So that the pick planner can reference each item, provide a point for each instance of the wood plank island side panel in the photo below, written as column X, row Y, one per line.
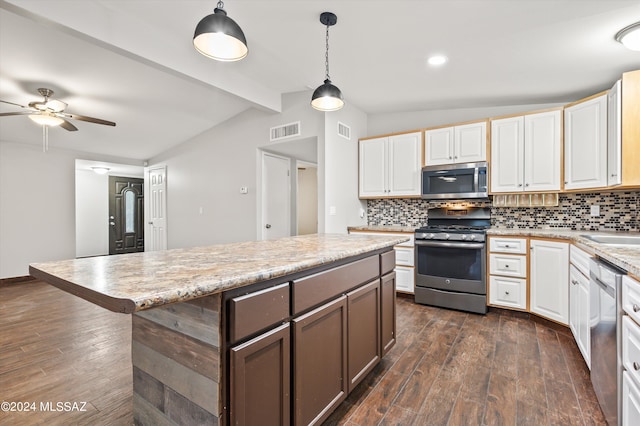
column 176, row 363
column 192, row 318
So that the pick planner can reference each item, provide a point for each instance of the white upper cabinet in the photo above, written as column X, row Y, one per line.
column 526, row 152
column 614, row 139
column 390, row 166
column 466, row 143
column 585, row 144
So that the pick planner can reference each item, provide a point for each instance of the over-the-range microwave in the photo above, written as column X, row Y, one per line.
column 455, row 181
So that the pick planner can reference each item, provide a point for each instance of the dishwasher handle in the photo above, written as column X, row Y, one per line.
column 611, row 291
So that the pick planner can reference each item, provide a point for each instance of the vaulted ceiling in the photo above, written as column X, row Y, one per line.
column 133, row 62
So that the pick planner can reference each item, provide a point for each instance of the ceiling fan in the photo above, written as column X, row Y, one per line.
column 50, row 112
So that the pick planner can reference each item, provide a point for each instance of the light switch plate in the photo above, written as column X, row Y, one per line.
column 595, row 210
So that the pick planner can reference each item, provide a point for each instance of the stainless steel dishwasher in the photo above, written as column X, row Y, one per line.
column 605, row 325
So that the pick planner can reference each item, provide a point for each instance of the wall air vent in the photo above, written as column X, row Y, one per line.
column 344, row 130
column 284, row 131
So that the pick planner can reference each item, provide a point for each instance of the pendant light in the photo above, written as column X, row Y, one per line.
column 327, row 97
column 219, row 37
column 630, row 37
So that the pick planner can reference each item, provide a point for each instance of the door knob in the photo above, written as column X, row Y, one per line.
column 267, row 226
column 112, row 223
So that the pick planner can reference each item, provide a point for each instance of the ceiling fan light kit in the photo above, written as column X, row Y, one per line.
column 630, row 37
column 46, row 119
column 327, row 97
column 219, row 37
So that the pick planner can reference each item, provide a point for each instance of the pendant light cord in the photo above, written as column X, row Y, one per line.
column 326, row 56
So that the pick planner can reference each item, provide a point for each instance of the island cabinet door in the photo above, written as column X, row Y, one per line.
column 260, row 380
column 388, row 312
column 319, row 362
column 363, row 331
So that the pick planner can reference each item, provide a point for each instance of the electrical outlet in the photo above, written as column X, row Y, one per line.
column 595, row 210
column 244, row 190
column 332, row 210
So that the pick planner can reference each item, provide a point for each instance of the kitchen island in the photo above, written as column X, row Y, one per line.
column 254, row 332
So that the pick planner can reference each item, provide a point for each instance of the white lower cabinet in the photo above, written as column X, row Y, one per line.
column 579, row 312
column 404, row 279
column 549, row 268
column 630, row 401
column 508, row 292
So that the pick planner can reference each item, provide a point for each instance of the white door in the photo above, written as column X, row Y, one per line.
column 542, row 149
column 585, row 139
column 276, row 197
column 373, row 167
column 470, row 143
column 155, row 237
column 404, row 158
column 507, row 152
column 438, row 145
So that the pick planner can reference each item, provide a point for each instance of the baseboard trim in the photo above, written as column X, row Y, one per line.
column 16, row 280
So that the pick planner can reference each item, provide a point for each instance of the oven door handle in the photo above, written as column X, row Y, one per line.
column 450, row 244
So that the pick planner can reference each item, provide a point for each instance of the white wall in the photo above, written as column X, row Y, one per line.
column 379, row 124
column 307, row 200
column 37, row 205
column 92, row 213
column 209, row 170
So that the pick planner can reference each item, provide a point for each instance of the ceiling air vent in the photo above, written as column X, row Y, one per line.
column 284, row 131
column 344, row 130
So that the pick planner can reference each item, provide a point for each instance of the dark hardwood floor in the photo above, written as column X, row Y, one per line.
column 447, row 368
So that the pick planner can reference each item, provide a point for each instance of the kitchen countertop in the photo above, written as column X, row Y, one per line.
column 137, row 281
column 625, row 257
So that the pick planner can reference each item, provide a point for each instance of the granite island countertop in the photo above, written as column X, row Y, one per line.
column 132, row 282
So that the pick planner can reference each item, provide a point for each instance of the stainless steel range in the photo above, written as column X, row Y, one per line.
column 451, row 259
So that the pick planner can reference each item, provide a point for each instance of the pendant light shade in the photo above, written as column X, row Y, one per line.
column 327, row 97
column 219, row 37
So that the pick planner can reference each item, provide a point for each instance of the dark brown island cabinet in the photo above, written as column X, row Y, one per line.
column 295, row 362
column 262, row 333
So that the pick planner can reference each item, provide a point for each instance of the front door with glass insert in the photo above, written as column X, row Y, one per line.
column 126, row 215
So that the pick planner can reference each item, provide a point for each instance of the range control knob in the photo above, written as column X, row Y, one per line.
column 431, row 236
column 463, row 237
column 472, row 237
column 447, row 236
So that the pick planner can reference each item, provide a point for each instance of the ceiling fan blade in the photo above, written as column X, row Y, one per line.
column 6, row 114
column 88, row 119
column 68, row 126
column 13, row 103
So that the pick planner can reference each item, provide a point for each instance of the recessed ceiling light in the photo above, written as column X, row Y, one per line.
column 437, row 60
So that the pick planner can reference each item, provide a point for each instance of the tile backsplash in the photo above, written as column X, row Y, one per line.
column 619, row 211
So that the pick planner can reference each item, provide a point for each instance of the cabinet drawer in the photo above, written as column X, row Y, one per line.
column 315, row 289
column 387, row 261
column 631, row 348
column 405, row 279
column 255, row 311
column 508, row 245
column 509, row 292
column 508, row 265
column 580, row 259
column 630, row 401
column 631, row 297
column 404, row 256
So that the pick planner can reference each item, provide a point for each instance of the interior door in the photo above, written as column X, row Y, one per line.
column 156, row 208
column 276, row 197
column 126, row 215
